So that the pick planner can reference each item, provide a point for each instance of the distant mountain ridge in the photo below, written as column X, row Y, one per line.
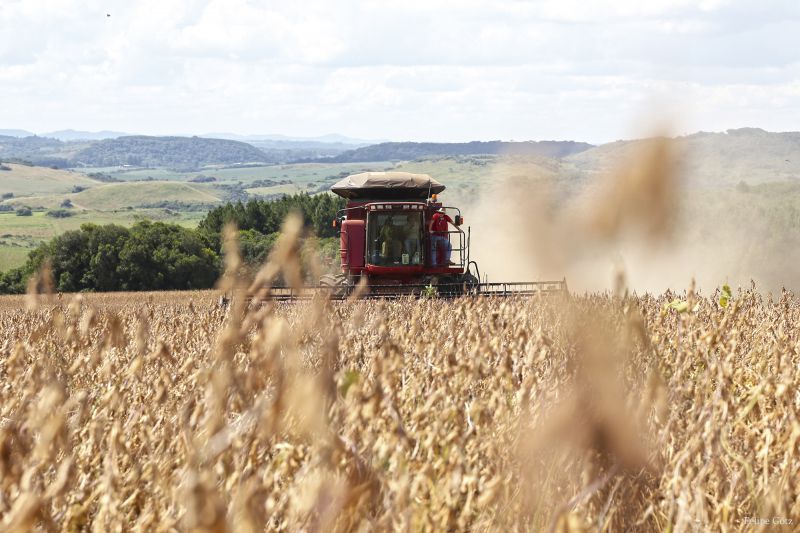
column 81, row 135
column 331, row 138
column 77, row 135
column 196, row 152
column 66, row 135
column 15, row 133
column 749, row 155
column 169, row 152
column 42, row 151
column 58, row 148
column 412, row 150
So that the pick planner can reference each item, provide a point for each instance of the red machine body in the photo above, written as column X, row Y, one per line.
column 385, row 232
column 353, row 239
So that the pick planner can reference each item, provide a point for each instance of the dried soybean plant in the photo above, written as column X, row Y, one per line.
column 162, row 412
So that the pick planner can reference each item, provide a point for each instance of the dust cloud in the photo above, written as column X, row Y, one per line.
column 643, row 227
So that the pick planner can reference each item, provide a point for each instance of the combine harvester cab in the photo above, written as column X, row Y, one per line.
column 393, row 236
column 387, row 239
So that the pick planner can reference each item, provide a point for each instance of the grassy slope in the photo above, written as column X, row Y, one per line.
column 712, row 159
column 277, row 189
column 472, row 170
column 297, row 173
column 12, row 255
column 467, row 178
column 121, row 195
column 23, row 180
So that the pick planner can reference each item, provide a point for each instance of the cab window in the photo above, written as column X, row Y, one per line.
column 395, row 238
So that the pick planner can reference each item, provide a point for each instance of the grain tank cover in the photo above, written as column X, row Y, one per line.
column 387, row 186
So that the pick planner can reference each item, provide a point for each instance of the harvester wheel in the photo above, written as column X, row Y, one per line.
column 470, row 283
column 455, row 286
column 337, row 283
column 449, row 287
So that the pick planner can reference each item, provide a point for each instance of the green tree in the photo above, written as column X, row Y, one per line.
column 160, row 256
column 70, row 260
column 255, row 246
column 266, row 217
column 105, row 245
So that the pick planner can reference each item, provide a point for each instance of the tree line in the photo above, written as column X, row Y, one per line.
column 266, row 216
column 163, row 256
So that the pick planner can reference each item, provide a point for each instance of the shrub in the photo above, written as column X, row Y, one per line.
column 59, row 213
column 203, row 179
column 24, row 212
column 105, row 178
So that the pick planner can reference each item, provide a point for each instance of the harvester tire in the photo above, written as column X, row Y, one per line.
column 470, row 283
column 451, row 287
column 337, row 283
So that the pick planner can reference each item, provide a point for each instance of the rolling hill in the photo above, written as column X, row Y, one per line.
column 169, row 152
column 119, row 195
column 24, row 180
column 20, row 147
column 406, row 151
column 15, row 133
column 60, row 149
column 194, row 153
column 112, row 196
column 78, row 135
column 41, row 151
column 748, row 155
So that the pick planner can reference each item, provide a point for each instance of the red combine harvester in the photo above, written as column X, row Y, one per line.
column 398, row 237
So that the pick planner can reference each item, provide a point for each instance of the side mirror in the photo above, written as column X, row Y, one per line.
column 458, row 220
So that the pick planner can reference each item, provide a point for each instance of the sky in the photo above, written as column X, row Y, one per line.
column 416, row 70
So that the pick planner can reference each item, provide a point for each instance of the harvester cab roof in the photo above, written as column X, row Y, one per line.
column 387, row 186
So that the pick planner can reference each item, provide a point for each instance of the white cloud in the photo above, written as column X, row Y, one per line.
column 419, row 69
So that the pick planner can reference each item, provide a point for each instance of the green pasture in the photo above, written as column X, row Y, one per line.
column 23, row 180
column 121, row 195
column 12, row 255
